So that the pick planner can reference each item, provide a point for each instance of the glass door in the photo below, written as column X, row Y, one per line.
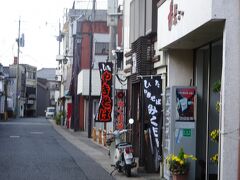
column 208, row 70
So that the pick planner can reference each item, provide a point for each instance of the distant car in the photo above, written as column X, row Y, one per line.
column 50, row 111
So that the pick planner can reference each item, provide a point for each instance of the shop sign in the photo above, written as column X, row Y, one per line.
column 120, row 108
column 134, row 63
column 152, row 90
column 105, row 104
column 174, row 15
column 187, row 132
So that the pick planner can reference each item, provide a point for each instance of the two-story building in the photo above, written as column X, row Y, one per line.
column 26, row 91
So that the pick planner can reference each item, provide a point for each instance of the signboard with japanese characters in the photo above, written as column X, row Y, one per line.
column 152, row 90
column 120, row 109
column 105, row 104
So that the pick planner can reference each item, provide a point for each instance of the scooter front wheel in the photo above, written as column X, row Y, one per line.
column 128, row 170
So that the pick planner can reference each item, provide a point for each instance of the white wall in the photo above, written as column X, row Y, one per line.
column 126, row 28
column 180, row 67
column 230, row 91
column 83, row 83
column 196, row 13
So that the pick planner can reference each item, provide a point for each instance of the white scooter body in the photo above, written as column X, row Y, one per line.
column 121, row 152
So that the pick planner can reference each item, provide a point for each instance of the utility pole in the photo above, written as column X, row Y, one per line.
column 90, row 71
column 113, row 59
column 17, row 71
column 113, row 15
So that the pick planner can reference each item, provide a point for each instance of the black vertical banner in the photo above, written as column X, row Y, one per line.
column 105, row 104
column 152, row 90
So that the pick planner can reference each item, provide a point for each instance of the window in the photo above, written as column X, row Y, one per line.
column 101, row 48
column 34, row 75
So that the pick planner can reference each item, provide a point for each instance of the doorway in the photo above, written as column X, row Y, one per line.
column 208, row 71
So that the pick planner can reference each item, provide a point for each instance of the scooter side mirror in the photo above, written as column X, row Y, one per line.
column 131, row 121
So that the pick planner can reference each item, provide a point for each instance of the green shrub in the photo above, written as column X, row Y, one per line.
column 57, row 118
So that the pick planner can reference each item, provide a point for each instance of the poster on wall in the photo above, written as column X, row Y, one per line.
column 105, row 103
column 152, row 90
column 185, row 104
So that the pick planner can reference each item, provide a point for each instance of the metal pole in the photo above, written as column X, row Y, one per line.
column 112, row 46
column 5, row 100
column 141, row 157
column 90, row 72
column 17, row 71
column 59, row 38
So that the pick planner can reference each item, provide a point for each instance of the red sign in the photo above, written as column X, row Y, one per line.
column 105, row 104
column 120, row 101
column 174, row 15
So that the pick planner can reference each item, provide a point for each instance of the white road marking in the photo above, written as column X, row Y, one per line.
column 24, row 123
column 14, row 136
column 36, row 132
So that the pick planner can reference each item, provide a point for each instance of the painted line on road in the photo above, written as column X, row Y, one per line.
column 24, row 123
column 36, row 132
column 14, row 136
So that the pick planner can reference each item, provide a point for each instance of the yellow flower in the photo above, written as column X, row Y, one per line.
column 181, row 162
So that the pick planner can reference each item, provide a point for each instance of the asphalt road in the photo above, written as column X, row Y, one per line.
column 30, row 149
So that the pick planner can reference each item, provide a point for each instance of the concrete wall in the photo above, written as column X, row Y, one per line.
column 126, row 28
column 180, row 67
column 230, row 116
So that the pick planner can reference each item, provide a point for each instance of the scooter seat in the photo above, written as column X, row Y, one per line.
column 122, row 144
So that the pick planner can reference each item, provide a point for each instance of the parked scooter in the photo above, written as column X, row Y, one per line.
column 121, row 151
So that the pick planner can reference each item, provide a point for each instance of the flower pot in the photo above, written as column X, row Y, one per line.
column 180, row 177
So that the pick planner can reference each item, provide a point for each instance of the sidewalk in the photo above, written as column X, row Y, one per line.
column 99, row 153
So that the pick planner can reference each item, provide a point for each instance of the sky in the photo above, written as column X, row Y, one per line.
column 40, row 25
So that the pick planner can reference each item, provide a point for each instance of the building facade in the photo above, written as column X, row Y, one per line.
column 197, row 38
column 141, row 60
column 47, row 87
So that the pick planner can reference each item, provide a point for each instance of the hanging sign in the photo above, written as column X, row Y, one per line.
column 105, row 104
column 152, row 90
column 120, row 109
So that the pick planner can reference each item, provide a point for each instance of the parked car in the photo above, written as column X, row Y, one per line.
column 50, row 112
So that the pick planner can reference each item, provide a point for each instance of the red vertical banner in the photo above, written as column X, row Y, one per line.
column 120, row 109
column 69, row 113
column 105, row 104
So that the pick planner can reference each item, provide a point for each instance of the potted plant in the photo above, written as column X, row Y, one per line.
column 214, row 134
column 179, row 164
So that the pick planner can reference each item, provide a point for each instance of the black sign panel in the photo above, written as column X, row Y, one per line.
column 152, row 90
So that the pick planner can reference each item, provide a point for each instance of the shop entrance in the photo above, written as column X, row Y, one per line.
column 208, row 70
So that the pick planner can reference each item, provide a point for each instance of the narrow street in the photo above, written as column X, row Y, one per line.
column 31, row 149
